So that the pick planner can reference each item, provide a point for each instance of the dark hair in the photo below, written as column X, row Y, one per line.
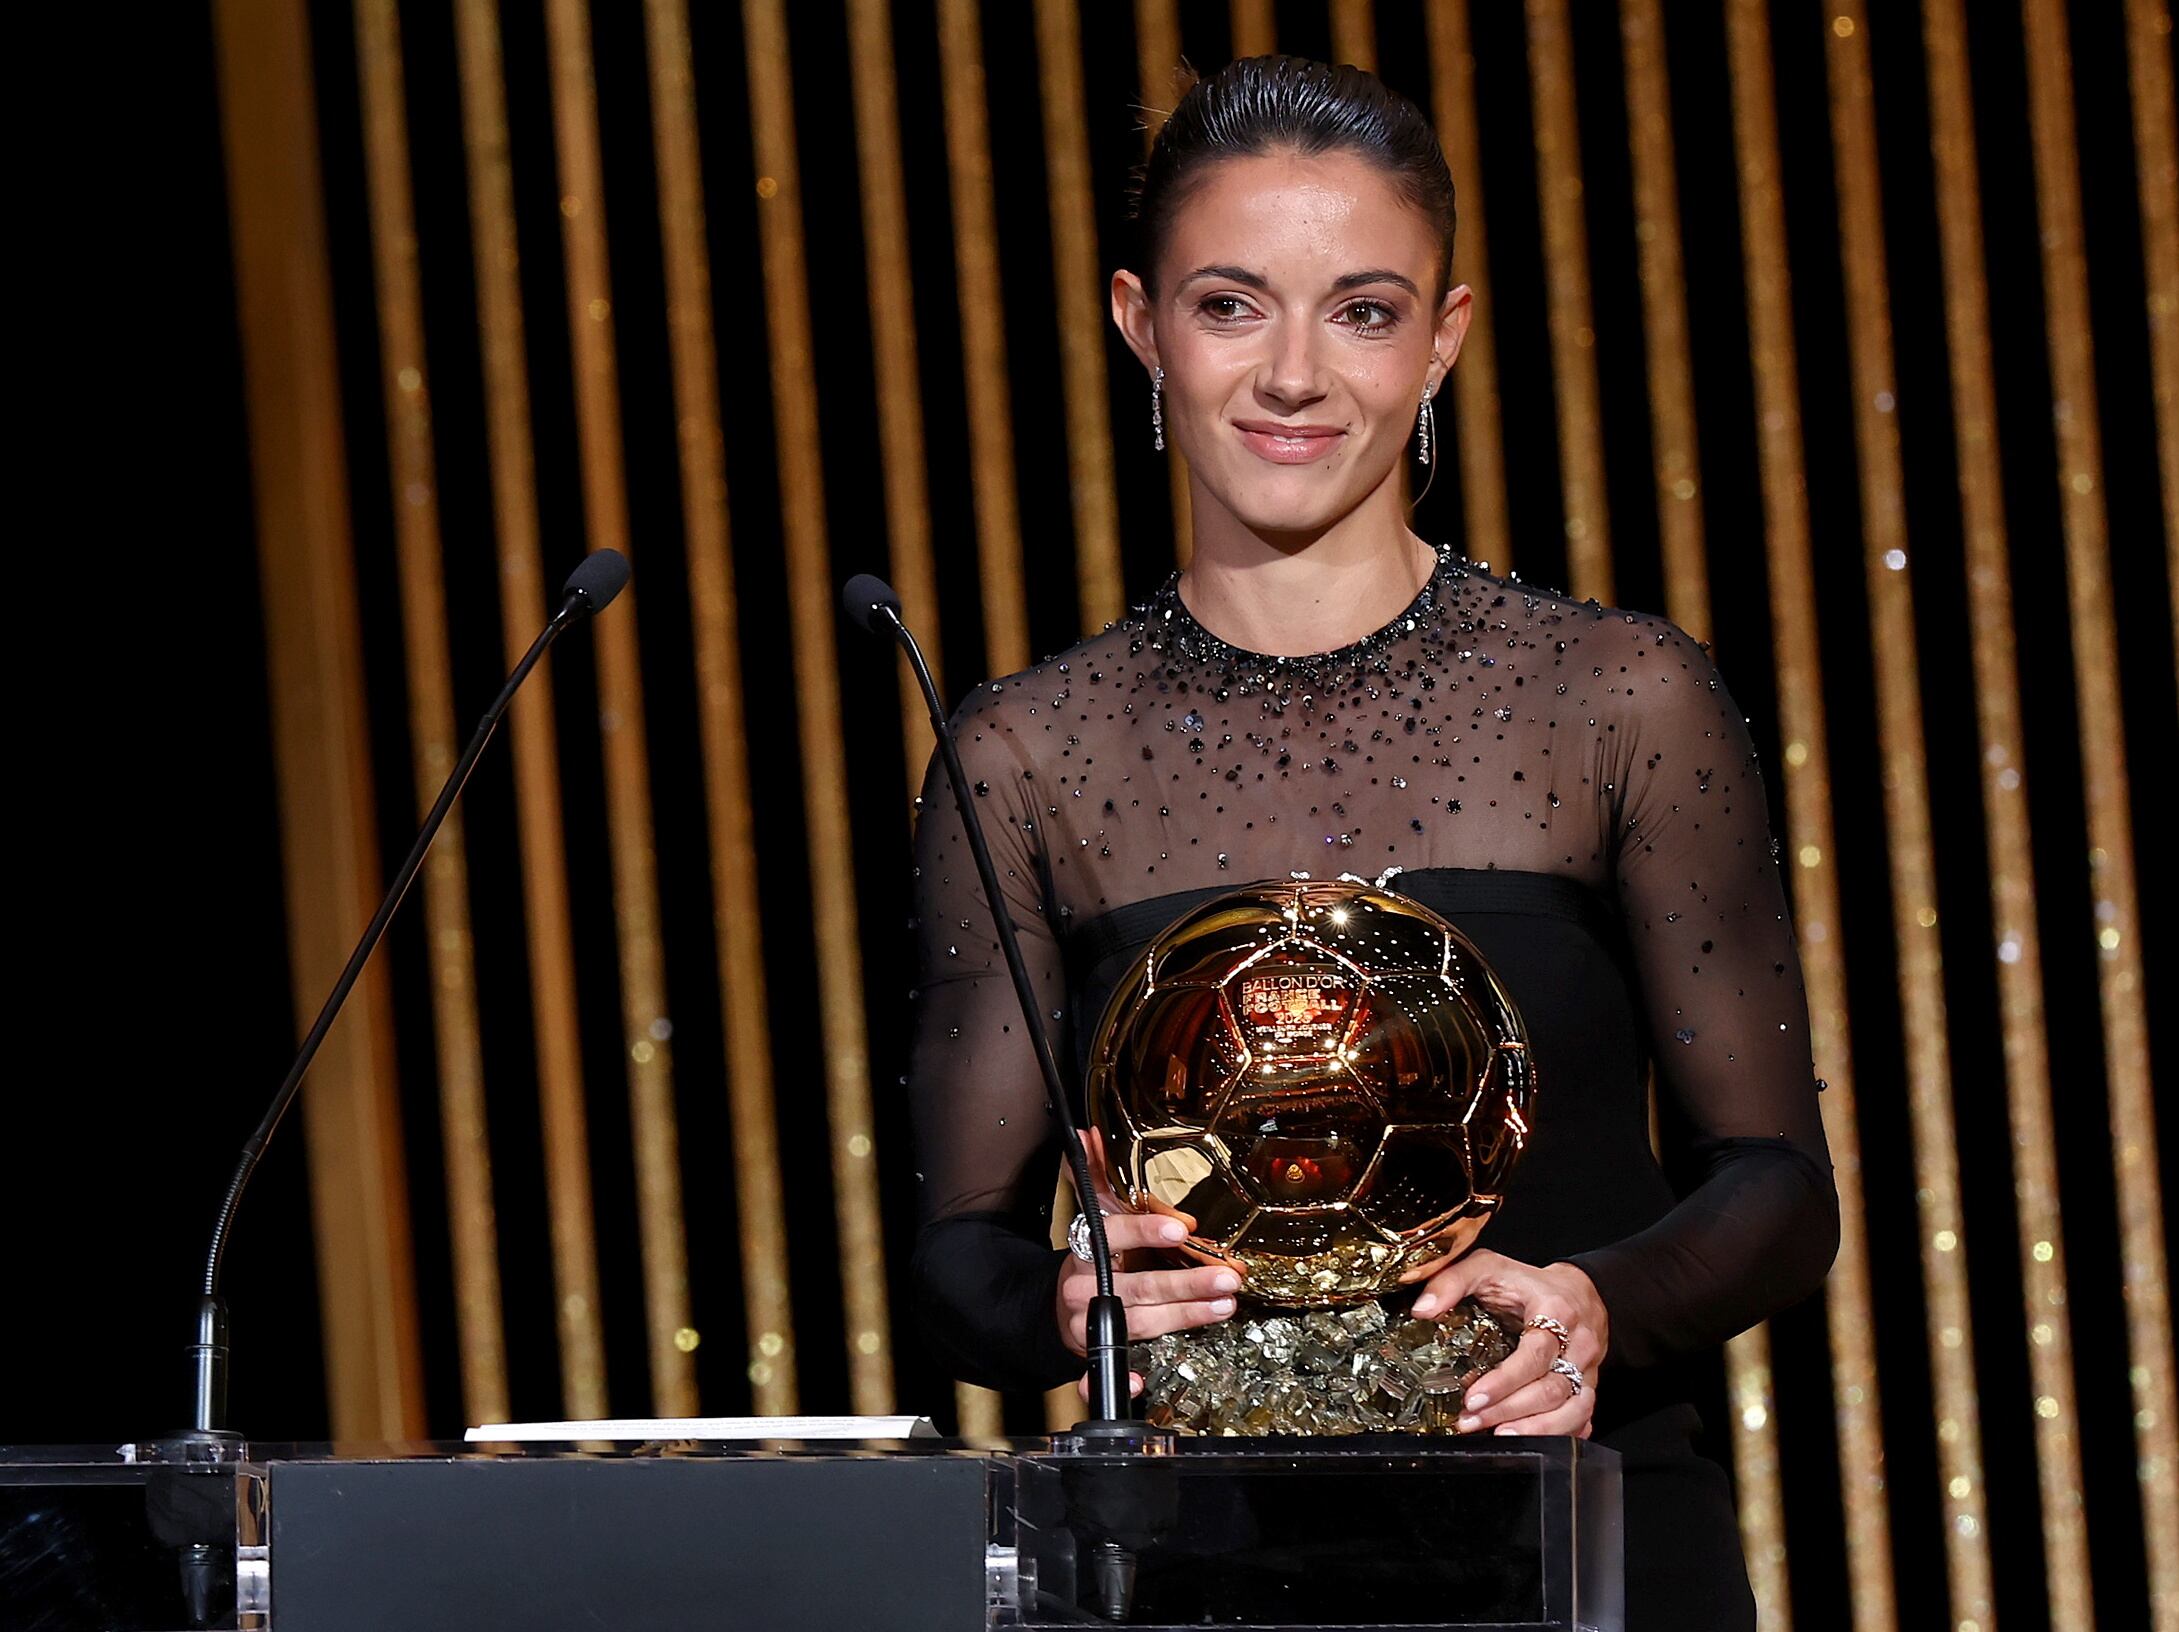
column 1254, row 105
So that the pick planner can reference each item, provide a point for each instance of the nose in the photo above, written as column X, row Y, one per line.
column 1293, row 374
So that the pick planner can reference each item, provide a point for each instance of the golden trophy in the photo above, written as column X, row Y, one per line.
column 1327, row 1084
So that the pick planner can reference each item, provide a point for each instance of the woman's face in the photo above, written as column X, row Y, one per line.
column 1293, row 323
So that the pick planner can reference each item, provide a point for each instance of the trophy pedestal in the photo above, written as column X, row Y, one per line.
column 1359, row 1370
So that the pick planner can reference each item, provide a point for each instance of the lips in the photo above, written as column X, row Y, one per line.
column 1288, row 444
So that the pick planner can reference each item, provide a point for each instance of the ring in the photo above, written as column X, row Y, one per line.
column 1572, row 1373
column 1546, row 1324
column 1078, row 1237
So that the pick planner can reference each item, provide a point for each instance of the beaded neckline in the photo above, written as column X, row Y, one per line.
column 1166, row 625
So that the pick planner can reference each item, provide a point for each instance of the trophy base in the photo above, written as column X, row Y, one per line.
column 1362, row 1370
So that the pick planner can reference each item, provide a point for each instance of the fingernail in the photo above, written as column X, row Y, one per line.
column 1424, row 1304
column 1172, row 1229
column 1225, row 1281
column 1221, row 1306
column 1479, row 1400
column 1503, row 1428
column 1469, row 1424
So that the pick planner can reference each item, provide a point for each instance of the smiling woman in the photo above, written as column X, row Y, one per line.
column 1293, row 375
column 1323, row 692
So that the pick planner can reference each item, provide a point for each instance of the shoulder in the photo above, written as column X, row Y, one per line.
column 1632, row 665
column 1017, row 722
column 1639, row 677
column 1655, row 671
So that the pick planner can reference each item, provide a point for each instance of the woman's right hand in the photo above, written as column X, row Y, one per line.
column 1157, row 1300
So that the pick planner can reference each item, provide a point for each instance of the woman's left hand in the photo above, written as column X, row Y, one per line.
column 1523, row 1395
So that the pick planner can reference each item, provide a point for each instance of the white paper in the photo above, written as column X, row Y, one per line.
column 639, row 1429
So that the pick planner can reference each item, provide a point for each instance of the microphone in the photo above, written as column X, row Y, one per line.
column 870, row 604
column 602, row 575
column 588, row 591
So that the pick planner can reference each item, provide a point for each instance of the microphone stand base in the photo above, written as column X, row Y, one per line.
column 196, row 1448
column 190, row 1502
column 1104, row 1437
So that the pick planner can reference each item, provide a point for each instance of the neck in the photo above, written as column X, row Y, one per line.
column 1292, row 594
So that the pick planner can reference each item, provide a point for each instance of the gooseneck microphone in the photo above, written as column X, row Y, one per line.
column 588, row 591
column 871, row 604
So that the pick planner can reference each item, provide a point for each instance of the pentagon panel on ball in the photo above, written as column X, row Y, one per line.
column 1324, row 1080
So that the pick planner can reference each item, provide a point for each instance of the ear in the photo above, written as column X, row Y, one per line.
column 1132, row 315
column 1452, row 328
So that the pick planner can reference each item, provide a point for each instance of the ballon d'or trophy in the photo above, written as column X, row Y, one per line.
column 1327, row 1084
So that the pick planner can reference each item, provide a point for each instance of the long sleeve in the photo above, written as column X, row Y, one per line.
column 1756, row 1226
column 986, row 1145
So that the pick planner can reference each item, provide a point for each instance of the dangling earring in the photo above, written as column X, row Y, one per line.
column 1429, row 429
column 1157, row 411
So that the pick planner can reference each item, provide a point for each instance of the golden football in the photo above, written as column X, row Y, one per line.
column 1324, row 1081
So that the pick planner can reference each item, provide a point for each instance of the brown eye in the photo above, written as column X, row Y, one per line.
column 1387, row 316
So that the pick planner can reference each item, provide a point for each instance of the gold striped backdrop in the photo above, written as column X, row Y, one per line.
column 1846, row 335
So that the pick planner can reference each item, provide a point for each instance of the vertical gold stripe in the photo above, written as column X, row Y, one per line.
column 1755, row 1470
column 817, row 685
column 983, row 356
column 620, row 710
column 1566, row 284
column 1082, row 316
column 1475, row 376
column 1088, row 417
column 1354, row 34
column 1782, row 471
column 1906, row 815
column 1255, row 28
column 900, row 430
column 2156, row 171
column 2110, row 824
column 2005, row 812
column 351, row 1116
column 1157, row 57
column 405, row 387
column 1664, row 317
column 536, row 751
column 760, row 1208
column 897, row 368
column 1678, row 469
column 983, row 338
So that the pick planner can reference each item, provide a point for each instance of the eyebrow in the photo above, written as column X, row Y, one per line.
column 1347, row 280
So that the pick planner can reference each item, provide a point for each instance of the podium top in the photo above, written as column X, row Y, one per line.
column 42, row 1464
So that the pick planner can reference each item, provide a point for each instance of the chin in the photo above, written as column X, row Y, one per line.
column 1286, row 506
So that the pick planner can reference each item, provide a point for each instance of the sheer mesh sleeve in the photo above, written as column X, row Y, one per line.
column 986, row 1144
column 1720, row 982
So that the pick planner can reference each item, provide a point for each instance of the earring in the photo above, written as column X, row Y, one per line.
column 1429, row 430
column 1157, row 411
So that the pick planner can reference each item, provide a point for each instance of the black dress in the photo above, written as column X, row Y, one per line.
column 1571, row 785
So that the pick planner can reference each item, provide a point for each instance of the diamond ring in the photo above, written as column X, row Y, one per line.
column 1078, row 1237
column 1572, row 1373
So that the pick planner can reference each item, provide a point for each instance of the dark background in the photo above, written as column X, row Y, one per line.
column 157, row 1012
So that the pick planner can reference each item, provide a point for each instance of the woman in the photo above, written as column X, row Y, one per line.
column 1324, row 691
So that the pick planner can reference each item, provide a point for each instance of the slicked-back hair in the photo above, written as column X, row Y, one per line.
column 1258, row 105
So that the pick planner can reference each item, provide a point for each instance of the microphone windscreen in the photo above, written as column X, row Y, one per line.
column 864, row 595
column 603, row 575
